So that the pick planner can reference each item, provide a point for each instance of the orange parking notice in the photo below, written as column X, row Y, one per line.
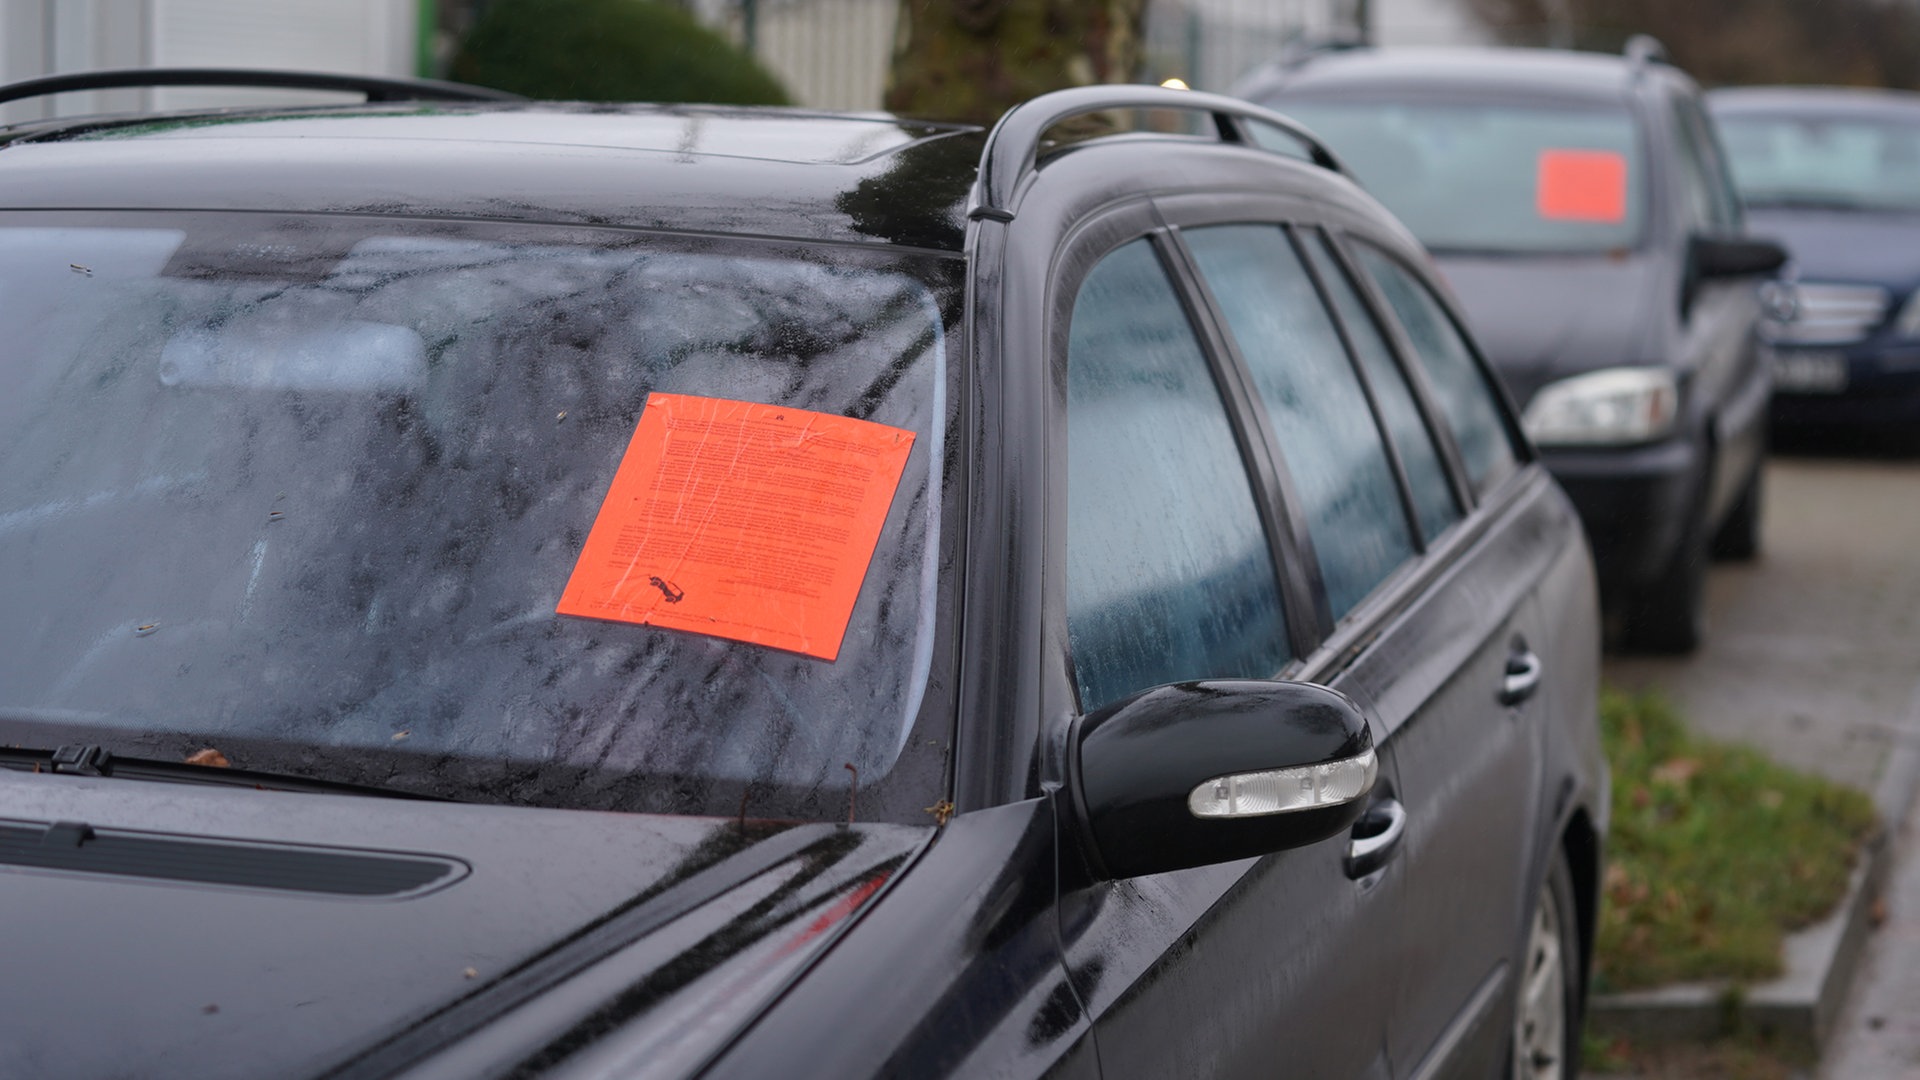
column 1582, row 185
column 744, row 521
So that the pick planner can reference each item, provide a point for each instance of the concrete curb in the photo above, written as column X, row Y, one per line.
column 1820, row 961
column 1800, row 1005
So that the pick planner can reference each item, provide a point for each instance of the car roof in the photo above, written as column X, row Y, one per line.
column 1823, row 100
column 759, row 171
column 1494, row 71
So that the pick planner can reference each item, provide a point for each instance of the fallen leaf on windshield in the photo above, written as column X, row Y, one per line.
column 209, row 757
column 400, row 736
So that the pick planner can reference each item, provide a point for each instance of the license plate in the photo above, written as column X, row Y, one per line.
column 1809, row 371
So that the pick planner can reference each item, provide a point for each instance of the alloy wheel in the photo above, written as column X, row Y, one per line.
column 1540, row 1023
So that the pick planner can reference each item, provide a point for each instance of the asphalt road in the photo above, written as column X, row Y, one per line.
column 1813, row 654
column 1813, row 650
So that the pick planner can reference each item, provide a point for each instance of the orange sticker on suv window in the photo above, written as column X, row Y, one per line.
column 1582, row 185
column 744, row 521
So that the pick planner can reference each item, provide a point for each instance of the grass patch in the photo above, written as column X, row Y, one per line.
column 1715, row 852
column 1724, row 1059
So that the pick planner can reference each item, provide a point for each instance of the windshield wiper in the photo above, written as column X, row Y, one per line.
column 1807, row 202
column 91, row 759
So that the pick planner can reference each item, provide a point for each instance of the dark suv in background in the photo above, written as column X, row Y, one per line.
column 531, row 589
column 1579, row 207
column 1835, row 172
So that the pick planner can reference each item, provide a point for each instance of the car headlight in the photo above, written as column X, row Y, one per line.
column 1606, row 407
column 1907, row 323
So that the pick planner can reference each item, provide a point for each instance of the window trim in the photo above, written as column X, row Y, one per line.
column 1293, row 587
column 1303, row 236
column 1339, row 645
column 1322, row 648
column 1302, row 587
column 1414, row 366
column 1404, row 355
column 1303, row 552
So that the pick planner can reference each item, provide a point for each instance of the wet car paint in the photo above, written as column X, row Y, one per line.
column 977, row 943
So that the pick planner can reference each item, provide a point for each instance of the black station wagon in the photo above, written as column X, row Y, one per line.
column 507, row 589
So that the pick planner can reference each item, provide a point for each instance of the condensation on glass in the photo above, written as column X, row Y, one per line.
column 1433, row 499
column 308, row 489
column 1317, row 408
column 1461, row 387
column 1169, row 573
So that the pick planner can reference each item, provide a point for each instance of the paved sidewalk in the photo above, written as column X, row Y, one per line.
column 1878, row 1036
column 1813, row 651
column 1813, row 655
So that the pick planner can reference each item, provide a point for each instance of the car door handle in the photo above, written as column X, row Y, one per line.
column 1376, row 837
column 1522, row 679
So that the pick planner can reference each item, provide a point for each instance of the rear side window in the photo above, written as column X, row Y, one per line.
column 1169, row 573
column 1461, row 387
column 1433, row 500
column 1319, row 412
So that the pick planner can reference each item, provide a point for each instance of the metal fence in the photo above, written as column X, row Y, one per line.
column 830, row 54
column 1212, row 44
column 836, row 53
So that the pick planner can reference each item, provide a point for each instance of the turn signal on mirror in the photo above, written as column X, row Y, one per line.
column 1279, row 791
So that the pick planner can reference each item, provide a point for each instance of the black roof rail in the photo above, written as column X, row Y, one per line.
column 374, row 87
column 1644, row 49
column 1013, row 146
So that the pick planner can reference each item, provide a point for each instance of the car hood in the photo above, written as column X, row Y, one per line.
column 1837, row 245
column 1541, row 318
column 162, row 929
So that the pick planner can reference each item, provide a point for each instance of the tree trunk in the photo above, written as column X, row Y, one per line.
column 973, row 60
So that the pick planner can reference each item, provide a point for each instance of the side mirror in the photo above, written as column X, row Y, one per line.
column 1197, row 773
column 1733, row 256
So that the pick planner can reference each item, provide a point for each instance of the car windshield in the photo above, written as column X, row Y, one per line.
column 1840, row 162
column 308, row 491
column 1504, row 178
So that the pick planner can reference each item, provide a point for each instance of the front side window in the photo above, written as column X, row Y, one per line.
column 1465, row 395
column 1495, row 177
column 309, row 491
column 1169, row 573
column 1319, row 411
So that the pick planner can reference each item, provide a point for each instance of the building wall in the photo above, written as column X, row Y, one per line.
column 1427, row 22
column 829, row 54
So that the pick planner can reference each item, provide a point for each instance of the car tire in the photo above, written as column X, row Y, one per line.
column 1739, row 537
column 1669, row 615
column 1547, row 1010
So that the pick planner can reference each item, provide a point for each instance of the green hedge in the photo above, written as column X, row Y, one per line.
column 608, row 50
